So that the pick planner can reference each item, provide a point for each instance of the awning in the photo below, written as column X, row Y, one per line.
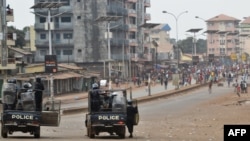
column 67, row 75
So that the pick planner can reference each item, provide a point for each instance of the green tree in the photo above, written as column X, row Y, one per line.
column 20, row 41
column 187, row 45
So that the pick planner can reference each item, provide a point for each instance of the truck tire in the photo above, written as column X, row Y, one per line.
column 4, row 132
column 37, row 132
column 91, row 133
column 122, row 132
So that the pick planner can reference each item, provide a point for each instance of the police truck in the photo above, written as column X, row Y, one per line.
column 19, row 114
column 107, row 112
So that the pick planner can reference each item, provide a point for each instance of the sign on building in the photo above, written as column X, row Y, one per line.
column 195, row 60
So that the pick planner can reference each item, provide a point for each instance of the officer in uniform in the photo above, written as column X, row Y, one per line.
column 131, row 111
column 39, row 87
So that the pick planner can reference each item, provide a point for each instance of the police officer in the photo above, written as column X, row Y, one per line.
column 39, row 87
column 131, row 111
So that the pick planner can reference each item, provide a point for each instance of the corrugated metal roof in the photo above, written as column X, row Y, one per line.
column 67, row 75
column 48, row 5
column 19, row 50
column 70, row 67
column 222, row 17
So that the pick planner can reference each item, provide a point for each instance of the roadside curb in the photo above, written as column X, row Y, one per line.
column 74, row 110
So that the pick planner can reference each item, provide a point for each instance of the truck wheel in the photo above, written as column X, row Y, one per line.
column 122, row 132
column 91, row 133
column 4, row 132
column 37, row 132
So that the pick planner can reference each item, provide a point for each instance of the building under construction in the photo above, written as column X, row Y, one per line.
column 79, row 37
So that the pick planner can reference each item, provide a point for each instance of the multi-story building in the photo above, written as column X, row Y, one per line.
column 78, row 38
column 244, row 40
column 222, row 35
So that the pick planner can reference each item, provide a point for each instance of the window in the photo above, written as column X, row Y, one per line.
column 78, row 0
column 67, row 2
column 65, row 19
column 131, row 35
column 58, row 52
column 222, row 42
column 67, row 52
column 79, row 50
column 78, row 17
column 42, row 19
column 43, row 36
column 58, row 36
column 42, row 52
column 67, row 36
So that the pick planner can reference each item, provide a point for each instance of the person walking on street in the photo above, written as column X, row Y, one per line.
column 166, row 83
column 210, row 79
column 39, row 87
column 131, row 111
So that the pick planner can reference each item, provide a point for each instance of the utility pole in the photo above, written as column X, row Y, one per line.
column 108, row 19
column 4, row 33
column 49, row 6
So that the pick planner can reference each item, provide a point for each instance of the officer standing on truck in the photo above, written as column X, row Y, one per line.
column 131, row 111
column 39, row 87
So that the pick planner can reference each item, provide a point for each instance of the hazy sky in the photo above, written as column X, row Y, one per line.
column 205, row 9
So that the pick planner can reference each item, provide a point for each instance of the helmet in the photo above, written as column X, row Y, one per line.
column 13, row 80
column 38, row 79
column 27, row 85
column 130, row 102
column 95, row 86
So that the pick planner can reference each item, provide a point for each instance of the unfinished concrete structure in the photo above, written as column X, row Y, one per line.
column 78, row 38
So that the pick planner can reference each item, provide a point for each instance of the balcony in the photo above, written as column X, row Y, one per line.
column 133, row 42
column 132, row 13
column 147, row 16
column 63, row 26
column 57, row 26
column 10, row 15
column 117, row 26
column 55, row 43
column 148, row 57
column 132, row 1
column 147, row 3
column 118, row 42
column 117, row 10
column 63, row 9
column 132, row 27
column 11, row 64
column 119, row 57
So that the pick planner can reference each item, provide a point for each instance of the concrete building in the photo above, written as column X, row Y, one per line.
column 222, row 35
column 244, row 41
column 78, row 38
column 164, row 51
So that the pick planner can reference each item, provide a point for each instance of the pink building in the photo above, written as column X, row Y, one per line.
column 222, row 35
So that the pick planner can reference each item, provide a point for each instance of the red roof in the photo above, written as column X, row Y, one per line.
column 222, row 17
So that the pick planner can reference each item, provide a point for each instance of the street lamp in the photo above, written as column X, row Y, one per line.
column 108, row 19
column 49, row 6
column 176, row 26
